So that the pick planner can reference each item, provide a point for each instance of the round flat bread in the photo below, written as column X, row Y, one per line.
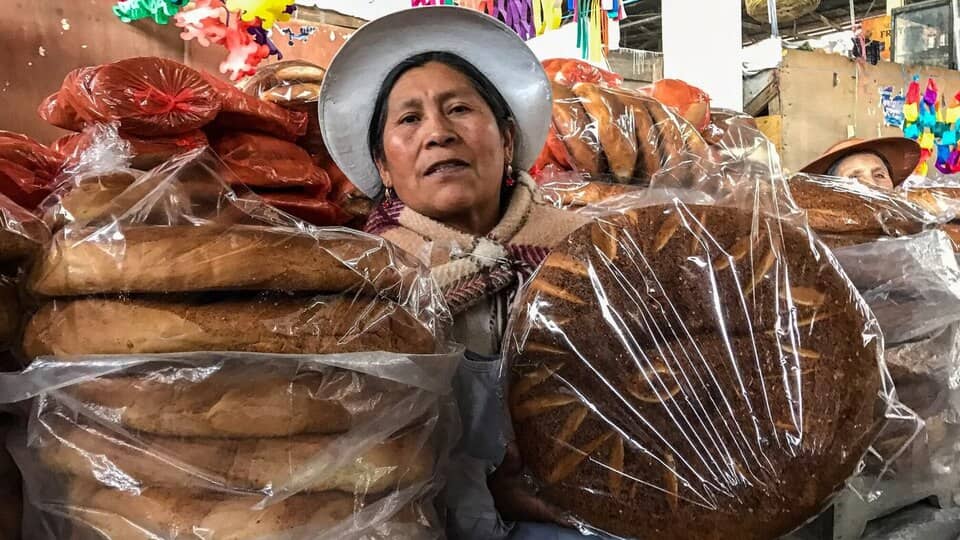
column 678, row 372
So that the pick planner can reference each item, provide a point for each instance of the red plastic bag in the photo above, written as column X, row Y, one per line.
column 570, row 71
column 57, row 112
column 243, row 112
column 267, row 162
column 149, row 97
column 145, row 153
column 312, row 209
column 691, row 102
column 27, row 169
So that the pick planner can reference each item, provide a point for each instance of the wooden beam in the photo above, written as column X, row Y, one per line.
column 828, row 22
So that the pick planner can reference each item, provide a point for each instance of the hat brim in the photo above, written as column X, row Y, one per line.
column 903, row 156
column 361, row 66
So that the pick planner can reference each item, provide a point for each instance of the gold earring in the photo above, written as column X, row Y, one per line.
column 388, row 193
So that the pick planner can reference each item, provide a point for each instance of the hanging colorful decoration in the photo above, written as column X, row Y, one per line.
column 268, row 11
column 241, row 26
column 547, row 15
column 928, row 120
column 593, row 25
column 517, row 14
column 161, row 11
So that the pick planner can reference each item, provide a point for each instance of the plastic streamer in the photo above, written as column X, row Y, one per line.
column 517, row 14
column 547, row 15
column 161, row 11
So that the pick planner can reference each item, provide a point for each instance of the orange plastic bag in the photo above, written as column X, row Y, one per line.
column 27, row 169
column 261, row 161
column 247, row 113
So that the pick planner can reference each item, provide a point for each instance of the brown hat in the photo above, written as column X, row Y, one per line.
column 900, row 153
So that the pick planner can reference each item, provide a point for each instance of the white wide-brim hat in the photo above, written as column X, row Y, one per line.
column 359, row 69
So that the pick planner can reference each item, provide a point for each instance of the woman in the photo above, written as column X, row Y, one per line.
column 441, row 110
column 885, row 162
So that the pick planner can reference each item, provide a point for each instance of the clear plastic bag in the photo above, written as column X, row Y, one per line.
column 846, row 211
column 615, row 134
column 145, row 153
column 21, row 232
column 911, row 283
column 235, row 446
column 689, row 369
column 188, row 243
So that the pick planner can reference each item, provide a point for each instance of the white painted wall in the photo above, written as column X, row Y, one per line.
column 701, row 45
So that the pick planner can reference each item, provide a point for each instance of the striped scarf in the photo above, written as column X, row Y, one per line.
column 468, row 268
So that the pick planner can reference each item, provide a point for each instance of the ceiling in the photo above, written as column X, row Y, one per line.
column 642, row 28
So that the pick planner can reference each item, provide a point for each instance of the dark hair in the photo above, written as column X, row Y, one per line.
column 480, row 83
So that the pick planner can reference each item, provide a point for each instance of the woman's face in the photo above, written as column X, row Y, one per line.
column 867, row 168
column 444, row 153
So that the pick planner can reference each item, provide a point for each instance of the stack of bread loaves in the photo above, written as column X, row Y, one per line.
column 207, row 365
column 678, row 370
column 26, row 171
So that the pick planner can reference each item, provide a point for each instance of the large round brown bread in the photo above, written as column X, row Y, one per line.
column 243, row 402
column 182, row 514
column 185, row 258
column 266, row 324
column 846, row 206
column 663, row 387
column 253, row 465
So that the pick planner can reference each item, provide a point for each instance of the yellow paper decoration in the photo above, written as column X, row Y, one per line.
column 547, row 15
column 911, row 112
column 927, row 140
column 922, row 169
column 953, row 114
column 268, row 11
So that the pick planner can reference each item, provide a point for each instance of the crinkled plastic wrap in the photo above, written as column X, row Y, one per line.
column 145, row 153
column 696, row 365
column 206, row 364
column 21, row 232
column 149, row 97
column 620, row 136
column 911, row 283
column 204, row 255
column 235, row 446
column 847, row 212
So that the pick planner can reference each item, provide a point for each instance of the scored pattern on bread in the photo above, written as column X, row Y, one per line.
column 688, row 374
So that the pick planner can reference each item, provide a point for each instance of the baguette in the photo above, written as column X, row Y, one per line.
column 576, row 131
column 648, row 155
column 186, row 258
column 181, row 514
column 279, row 325
column 256, row 465
column 617, row 134
column 240, row 402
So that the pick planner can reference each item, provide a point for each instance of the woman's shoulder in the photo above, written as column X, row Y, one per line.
column 547, row 224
